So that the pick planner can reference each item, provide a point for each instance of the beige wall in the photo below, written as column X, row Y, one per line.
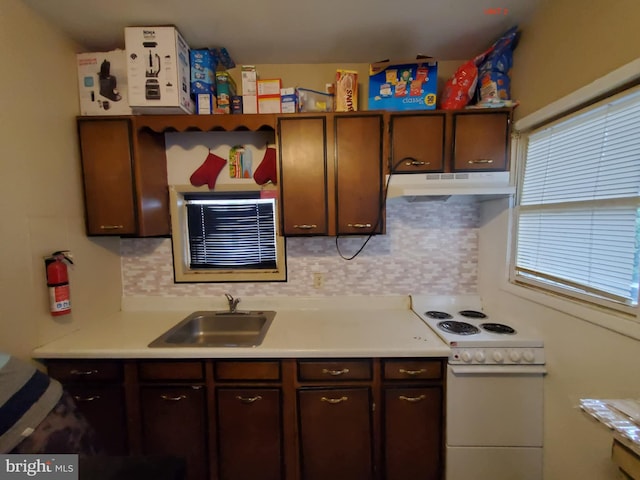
column 41, row 209
column 567, row 45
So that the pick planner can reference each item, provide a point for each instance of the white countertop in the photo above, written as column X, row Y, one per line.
column 330, row 327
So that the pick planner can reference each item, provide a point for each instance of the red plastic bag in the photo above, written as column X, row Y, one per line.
column 461, row 87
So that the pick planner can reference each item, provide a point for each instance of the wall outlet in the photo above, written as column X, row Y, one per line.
column 318, row 280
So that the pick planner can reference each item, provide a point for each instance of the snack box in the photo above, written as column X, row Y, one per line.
column 158, row 70
column 403, row 85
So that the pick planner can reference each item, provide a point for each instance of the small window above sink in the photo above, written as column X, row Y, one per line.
column 217, row 329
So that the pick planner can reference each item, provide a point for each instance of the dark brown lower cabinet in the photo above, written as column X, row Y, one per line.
column 104, row 408
column 174, row 422
column 336, row 439
column 269, row 419
column 412, row 433
column 249, row 433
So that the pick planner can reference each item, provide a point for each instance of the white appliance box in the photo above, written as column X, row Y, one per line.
column 158, row 70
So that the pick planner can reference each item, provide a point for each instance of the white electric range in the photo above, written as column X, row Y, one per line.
column 494, row 426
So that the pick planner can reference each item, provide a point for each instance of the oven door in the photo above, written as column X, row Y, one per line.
column 494, row 423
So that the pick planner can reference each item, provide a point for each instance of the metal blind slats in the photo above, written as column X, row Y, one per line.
column 228, row 234
column 579, row 164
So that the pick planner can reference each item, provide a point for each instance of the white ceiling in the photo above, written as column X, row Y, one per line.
column 299, row 31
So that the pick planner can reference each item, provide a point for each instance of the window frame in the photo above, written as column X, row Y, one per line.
column 180, row 242
column 521, row 132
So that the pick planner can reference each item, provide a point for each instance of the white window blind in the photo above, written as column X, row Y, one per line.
column 231, row 233
column 578, row 212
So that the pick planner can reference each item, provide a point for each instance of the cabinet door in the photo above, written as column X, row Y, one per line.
column 412, row 433
column 249, row 433
column 107, row 169
column 481, row 141
column 417, row 143
column 303, row 175
column 358, row 149
column 174, row 422
column 335, row 434
column 104, row 408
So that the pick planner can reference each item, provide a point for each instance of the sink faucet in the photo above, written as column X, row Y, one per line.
column 233, row 302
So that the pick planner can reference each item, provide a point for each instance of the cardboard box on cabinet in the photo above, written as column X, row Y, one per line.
column 403, row 85
column 102, row 83
column 158, row 70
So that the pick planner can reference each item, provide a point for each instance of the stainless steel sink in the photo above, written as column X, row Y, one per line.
column 217, row 329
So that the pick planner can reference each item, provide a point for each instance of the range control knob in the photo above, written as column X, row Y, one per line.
column 498, row 357
column 480, row 357
column 528, row 356
column 466, row 356
column 514, row 356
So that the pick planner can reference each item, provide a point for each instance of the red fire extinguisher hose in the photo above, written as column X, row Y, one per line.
column 58, row 283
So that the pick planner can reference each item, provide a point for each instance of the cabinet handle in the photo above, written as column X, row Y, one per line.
column 111, row 227
column 91, row 398
column 359, row 225
column 416, row 163
column 305, row 226
column 335, row 373
column 412, row 399
column 249, row 399
column 334, row 400
column 173, row 399
column 480, row 160
column 412, row 372
column 83, row 372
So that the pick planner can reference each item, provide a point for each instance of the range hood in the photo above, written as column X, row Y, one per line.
column 489, row 184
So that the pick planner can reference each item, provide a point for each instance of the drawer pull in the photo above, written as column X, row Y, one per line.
column 335, row 373
column 480, row 160
column 305, row 226
column 83, row 372
column 416, row 163
column 412, row 399
column 111, row 227
column 249, row 399
column 359, row 225
column 91, row 398
column 173, row 399
column 413, row 372
column 334, row 400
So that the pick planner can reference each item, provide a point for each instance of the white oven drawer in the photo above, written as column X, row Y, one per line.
column 494, row 463
column 495, row 406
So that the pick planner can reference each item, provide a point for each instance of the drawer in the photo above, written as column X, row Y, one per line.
column 322, row 370
column 85, row 371
column 178, row 370
column 412, row 369
column 239, row 370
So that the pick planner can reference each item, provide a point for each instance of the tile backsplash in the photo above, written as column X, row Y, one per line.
column 430, row 247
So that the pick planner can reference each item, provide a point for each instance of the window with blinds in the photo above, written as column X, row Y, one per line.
column 578, row 215
column 226, row 237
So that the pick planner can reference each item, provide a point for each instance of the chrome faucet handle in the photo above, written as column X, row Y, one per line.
column 233, row 302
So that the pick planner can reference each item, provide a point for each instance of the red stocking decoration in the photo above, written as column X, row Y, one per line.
column 266, row 171
column 208, row 172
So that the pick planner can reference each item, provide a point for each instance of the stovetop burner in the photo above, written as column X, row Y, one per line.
column 472, row 314
column 498, row 328
column 438, row 315
column 461, row 328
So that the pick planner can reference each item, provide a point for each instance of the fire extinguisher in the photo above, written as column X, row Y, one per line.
column 58, row 283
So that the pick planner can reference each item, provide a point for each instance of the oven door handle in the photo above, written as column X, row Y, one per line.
column 498, row 369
